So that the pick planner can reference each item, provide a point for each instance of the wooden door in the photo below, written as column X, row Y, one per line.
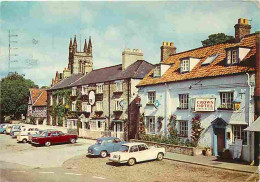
column 221, row 140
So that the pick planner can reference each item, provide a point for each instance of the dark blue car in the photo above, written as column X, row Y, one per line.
column 105, row 146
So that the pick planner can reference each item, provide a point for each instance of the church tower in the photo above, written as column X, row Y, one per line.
column 80, row 62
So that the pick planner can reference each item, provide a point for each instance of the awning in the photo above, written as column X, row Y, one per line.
column 118, row 121
column 255, row 126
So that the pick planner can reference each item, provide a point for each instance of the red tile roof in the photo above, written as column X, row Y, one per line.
column 39, row 97
column 216, row 68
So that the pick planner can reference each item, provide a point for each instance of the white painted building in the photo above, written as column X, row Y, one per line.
column 215, row 82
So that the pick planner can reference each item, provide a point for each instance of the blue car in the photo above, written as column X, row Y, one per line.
column 3, row 128
column 105, row 146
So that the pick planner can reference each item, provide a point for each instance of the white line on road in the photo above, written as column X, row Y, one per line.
column 74, row 174
column 46, row 172
column 18, row 171
column 98, row 177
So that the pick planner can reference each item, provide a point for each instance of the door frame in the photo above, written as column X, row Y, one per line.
column 218, row 123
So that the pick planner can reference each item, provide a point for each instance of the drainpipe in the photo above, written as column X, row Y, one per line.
column 165, row 108
column 128, row 104
column 109, row 107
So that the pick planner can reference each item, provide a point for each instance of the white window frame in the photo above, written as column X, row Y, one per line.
column 226, row 100
column 85, row 106
column 183, row 128
column 150, row 124
column 151, row 97
column 51, row 100
column 99, row 106
column 234, row 57
column 74, row 91
column 119, row 85
column 118, row 127
column 84, row 90
column 50, row 119
column 57, row 99
column 73, row 106
column 157, row 71
column 63, row 99
column 185, row 65
column 100, row 88
column 118, row 107
column 239, row 133
column 184, row 101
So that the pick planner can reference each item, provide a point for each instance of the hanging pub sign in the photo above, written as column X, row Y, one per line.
column 205, row 104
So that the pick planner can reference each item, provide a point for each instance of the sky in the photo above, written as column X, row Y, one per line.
column 41, row 31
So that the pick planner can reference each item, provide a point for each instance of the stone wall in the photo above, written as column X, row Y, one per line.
column 192, row 151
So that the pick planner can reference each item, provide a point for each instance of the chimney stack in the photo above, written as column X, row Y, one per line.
column 130, row 56
column 167, row 49
column 242, row 28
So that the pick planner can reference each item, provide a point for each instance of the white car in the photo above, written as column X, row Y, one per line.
column 23, row 136
column 131, row 153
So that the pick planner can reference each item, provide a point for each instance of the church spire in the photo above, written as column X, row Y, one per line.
column 75, row 44
column 89, row 45
column 70, row 43
column 85, row 46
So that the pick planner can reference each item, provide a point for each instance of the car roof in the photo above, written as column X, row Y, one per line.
column 107, row 138
column 133, row 143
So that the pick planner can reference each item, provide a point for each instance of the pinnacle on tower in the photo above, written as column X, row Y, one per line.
column 89, row 45
column 85, row 46
column 75, row 44
column 70, row 42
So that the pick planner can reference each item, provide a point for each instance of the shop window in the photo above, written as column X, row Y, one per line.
column 239, row 133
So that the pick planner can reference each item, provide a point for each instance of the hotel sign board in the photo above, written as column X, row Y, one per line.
column 205, row 104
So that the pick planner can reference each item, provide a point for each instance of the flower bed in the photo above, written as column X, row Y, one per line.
column 192, row 151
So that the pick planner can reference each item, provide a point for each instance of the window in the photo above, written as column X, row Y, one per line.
column 239, row 133
column 73, row 106
column 151, row 97
column 86, row 107
column 51, row 101
column 100, row 88
column 142, row 147
column 150, row 124
column 184, row 101
column 99, row 106
column 57, row 100
column 118, row 127
column 134, row 148
column 157, row 71
column 63, row 99
column 118, row 106
column 232, row 57
column 50, row 120
column 226, row 100
column 183, row 128
column 99, row 124
column 119, row 86
column 93, row 125
column 74, row 91
column 185, row 65
column 84, row 90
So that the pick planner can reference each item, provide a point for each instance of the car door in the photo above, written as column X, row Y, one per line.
column 54, row 138
column 144, row 152
column 63, row 138
column 109, row 145
column 134, row 153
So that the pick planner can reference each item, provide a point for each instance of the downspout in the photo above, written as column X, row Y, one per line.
column 250, row 91
column 165, row 109
column 128, row 124
column 109, row 106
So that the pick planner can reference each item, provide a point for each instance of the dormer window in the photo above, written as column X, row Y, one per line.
column 236, row 54
column 157, row 71
column 232, row 57
column 160, row 69
column 185, row 65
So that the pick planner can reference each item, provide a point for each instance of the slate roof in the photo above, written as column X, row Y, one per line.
column 39, row 97
column 136, row 70
column 67, row 82
column 216, row 68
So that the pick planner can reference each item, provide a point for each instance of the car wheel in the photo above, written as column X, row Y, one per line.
column 131, row 162
column 103, row 154
column 72, row 140
column 24, row 140
column 47, row 144
column 4, row 132
column 160, row 156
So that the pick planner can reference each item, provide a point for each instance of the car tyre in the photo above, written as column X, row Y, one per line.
column 24, row 140
column 131, row 162
column 160, row 156
column 4, row 132
column 72, row 140
column 103, row 154
column 47, row 144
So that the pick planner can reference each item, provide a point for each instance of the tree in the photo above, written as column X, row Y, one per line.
column 217, row 38
column 44, row 87
column 15, row 94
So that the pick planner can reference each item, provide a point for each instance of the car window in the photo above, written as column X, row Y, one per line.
column 54, row 134
column 124, row 148
column 134, row 148
column 98, row 142
column 107, row 141
column 142, row 147
column 60, row 133
column 117, row 140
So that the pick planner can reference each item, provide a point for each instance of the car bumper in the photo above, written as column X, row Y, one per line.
column 35, row 143
column 118, row 161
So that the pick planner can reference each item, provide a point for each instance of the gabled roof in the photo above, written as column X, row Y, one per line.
column 216, row 68
column 67, row 82
column 38, row 97
column 137, row 70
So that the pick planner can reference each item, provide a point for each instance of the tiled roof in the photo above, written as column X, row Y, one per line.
column 67, row 82
column 39, row 97
column 216, row 68
column 42, row 100
column 136, row 70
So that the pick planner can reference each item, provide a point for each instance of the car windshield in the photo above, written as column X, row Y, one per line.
column 98, row 142
column 124, row 148
column 44, row 134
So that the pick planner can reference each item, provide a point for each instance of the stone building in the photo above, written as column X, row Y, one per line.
column 37, row 106
column 210, row 86
column 102, row 101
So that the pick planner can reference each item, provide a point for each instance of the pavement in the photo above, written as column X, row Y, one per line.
column 212, row 161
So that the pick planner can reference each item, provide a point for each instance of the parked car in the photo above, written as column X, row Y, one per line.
column 105, row 146
column 16, row 129
column 131, row 153
column 3, row 128
column 8, row 129
column 23, row 136
column 39, row 134
column 53, row 137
